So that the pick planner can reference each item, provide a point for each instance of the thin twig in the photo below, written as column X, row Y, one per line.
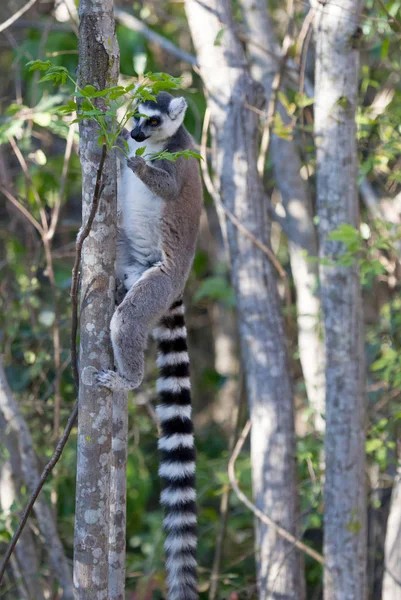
column 306, row 25
column 70, row 423
column 46, row 472
column 46, row 241
column 389, row 15
column 63, row 181
column 258, row 513
column 272, row 106
column 27, row 174
column 131, row 22
column 17, row 15
column 22, row 209
column 303, row 55
column 83, row 234
column 225, row 498
column 216, row 197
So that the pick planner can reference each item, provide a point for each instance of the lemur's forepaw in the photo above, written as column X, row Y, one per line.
column 136, row 163
column 114, row 382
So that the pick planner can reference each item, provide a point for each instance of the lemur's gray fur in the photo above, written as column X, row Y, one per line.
column 161, row 204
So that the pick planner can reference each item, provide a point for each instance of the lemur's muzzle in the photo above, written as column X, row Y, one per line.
column 138, row 135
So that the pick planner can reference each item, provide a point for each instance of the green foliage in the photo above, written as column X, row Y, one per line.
column 362, row 248
column 216, row 288
column 27, row 311
column 219, row 37
column 104, row 106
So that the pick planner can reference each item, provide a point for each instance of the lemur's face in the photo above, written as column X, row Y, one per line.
column 159, row 120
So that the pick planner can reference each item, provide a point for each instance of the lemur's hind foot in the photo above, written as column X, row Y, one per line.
column 114, row 382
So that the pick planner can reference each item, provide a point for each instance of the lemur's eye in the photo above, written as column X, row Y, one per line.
column 154, row 122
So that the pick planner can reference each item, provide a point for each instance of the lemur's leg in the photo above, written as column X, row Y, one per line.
column 142, row 307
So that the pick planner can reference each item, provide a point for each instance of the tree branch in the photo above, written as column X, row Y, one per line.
column 258, row 513
column 131, row 22
column 17, row 15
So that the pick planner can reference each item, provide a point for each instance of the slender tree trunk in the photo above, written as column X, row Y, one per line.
column 18, row 434
column 392, row 558
column 263, row 51
column 98, row 66
column 336, row 85
column 235, row 131
column 24, row 563
column 118, row 498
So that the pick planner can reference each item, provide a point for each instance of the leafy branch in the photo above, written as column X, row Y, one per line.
column 104, row 106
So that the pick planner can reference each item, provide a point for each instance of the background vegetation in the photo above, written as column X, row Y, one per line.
column 39, row 168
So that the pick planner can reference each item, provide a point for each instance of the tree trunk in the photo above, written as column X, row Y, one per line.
column 24, row 563
column 392, row 557
column 336, row 85
column 118, row 498
column 19, row 436
column 98, row 66
column 263, row 52
column 234, row 132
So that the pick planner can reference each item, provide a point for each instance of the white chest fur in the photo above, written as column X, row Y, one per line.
column 141, row 215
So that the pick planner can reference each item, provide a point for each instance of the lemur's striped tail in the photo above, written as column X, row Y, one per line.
column 177, row 465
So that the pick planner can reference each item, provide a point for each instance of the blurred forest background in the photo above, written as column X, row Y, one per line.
column 40, row 214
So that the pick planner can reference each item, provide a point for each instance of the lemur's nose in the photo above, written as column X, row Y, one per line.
column 138, row 135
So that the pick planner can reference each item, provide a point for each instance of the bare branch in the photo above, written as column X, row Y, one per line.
column 258, row 513
column 135, row 24
column 29, row 465
column 225, row 498
column 64, row 173
column 17, row 15
column 271, row 109
column 216, row 197
column 22, row 209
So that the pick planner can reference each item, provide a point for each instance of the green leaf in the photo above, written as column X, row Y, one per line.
column 348, row 235
column 68, row 108
column 373, row 445
column 216, row 288
column 219, row 37
column 39, row 65
column 88, row 91
column 174, row 156
column 302, row 100
column 140, row 151
column 58, row 75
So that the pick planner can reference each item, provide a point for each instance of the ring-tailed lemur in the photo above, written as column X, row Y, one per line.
column 161, row 205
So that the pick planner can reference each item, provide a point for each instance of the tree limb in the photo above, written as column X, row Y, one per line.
column 17, row 15
column 258, row 513
column 131, row 22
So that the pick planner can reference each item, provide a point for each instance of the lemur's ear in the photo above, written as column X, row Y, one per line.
column 177, row 108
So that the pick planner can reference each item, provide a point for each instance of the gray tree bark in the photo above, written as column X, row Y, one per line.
column 98, row 66
column 118, row 498
column 264, row 55
column 23, row 457
column 24, row 563
column 234, row 133
column 336, row 86
column 392, row 558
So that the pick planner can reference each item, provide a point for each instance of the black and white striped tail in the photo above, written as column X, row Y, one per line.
column 177, row 464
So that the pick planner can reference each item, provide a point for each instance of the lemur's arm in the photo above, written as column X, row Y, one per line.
column 165, row 179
